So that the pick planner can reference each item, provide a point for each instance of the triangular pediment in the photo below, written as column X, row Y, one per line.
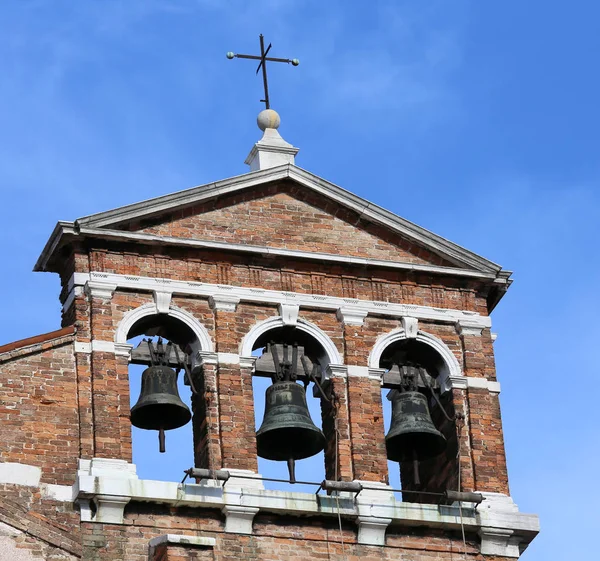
column 289, row 208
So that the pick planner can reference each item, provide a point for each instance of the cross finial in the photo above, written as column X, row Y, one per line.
column 263, row 65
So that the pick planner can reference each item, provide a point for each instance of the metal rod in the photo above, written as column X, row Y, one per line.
column 264, row 71
column 269, row 58
column 202, row 473
column 349, row 486
column 450, row 495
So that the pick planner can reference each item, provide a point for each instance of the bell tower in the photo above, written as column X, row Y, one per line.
column 275, row 274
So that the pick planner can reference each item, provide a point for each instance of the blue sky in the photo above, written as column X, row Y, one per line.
column 478, row 120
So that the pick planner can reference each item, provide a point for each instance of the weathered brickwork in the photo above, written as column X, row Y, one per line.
column 39, row 425
column 275, row 538
column 287, row 216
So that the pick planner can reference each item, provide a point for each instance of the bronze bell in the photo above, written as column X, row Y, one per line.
column 159, row 406
column 412, row 431
column 412, row 435
column 287, row 432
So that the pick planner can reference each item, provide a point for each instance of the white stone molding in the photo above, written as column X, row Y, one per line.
column 109, row 505
column 162, row 299
column 200, row 358
column 273, row 323
column 102, row 290
column 466, row 327
column 111, row 483
column 365, row 372
column 223, row 302
column 459, row 382
column 263, row 296
column 123, row 349
column 109, row 508
column 203, row 340
column 499, row 541
column 410, row 326
column 176, row 539
column 20, row 474
column 351, row 316
column 357, row 371
column 371, row 530
column 228, row 358
column 373, row 520
column 82, row 347
column 62, row 493
column 289, row 313
column 102, row 346
column 451, row 368
column 494, row 337
column 377, row 374
column 73, row 293
column 238, row 519
column 336, row 371
column 248, row 362
column 464, row 382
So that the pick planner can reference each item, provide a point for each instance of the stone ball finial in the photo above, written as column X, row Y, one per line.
column 268, row 119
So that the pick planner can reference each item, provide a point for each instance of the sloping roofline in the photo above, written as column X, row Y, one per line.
column 450, row 251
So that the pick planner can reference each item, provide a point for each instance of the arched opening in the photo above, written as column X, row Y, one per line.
column 179, row 336
column 418, row 417
column 305, row 357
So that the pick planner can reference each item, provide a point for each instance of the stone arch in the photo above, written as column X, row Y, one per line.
column 451, row 367
column 332, row 355
column 202, row 341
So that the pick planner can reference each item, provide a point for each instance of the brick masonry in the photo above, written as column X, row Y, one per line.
column 58, row 405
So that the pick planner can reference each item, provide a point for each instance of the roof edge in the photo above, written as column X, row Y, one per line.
column 38, row 339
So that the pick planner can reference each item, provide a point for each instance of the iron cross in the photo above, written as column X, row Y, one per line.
column 263, row 64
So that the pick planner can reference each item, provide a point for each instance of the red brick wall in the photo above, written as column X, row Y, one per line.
column 39, row 422
column 290, row 217
column 275, row 538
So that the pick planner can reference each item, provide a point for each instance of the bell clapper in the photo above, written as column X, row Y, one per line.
column 416, row 468
column 161, row 440
column 292, row 469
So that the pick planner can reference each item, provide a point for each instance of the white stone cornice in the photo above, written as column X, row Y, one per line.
column 466, row 327
column 365, row 372
column 205, row 357
column 248, row 362
column 111, row 483
column 263, row 296
column 228, row 358
column 238, row 519
column 377, row 373
column 336, row 371
column 97, row 345
column 123, row 349
column 99, row 289
column 499, row 541
column 464, row 382
column 458, row 382
column 352, row 315
column 289, row 313
column 223, row 302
